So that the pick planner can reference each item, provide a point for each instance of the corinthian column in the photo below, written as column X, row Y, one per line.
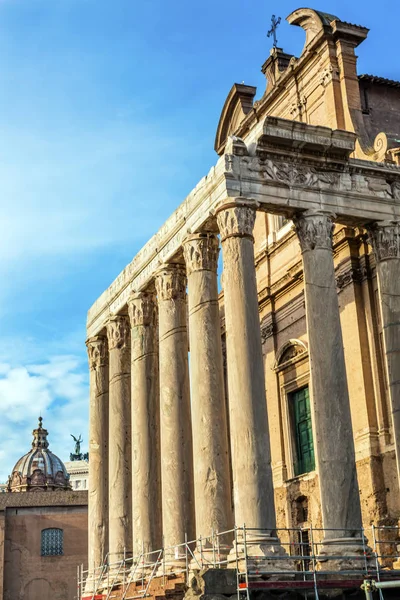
column 250, row 447
column 176, row 431
column 340, row 501
column 98, row 450
column 210, row 435
column 120, row 511
column 146, row 476
column 385, row 240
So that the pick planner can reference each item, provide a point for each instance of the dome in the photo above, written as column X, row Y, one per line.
column 39, row 469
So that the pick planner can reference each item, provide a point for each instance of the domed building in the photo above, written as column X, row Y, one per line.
column 39, row 469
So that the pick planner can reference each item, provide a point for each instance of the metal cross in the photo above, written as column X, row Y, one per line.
column 275, row 22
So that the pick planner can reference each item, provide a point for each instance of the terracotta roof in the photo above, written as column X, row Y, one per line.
column 379, row 80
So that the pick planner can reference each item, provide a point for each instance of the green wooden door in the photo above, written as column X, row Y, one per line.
column 301, row 413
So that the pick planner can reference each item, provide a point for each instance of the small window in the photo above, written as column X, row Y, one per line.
column 299, row 406
column 52, row 542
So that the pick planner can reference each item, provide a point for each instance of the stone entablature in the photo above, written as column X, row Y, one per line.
column 355, row 191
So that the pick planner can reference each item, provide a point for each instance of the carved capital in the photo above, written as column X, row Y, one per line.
column 201, row 252
column 384, row 238
column 97, row 351
column 314, row 230
column 236, row 220
column 142, row 309
column 118, row 332
column 171, row 282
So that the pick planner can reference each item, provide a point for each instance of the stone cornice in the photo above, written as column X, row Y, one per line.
column 286, row 174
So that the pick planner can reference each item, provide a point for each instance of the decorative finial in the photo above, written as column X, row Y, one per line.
column 40, row 422
column 275, row 22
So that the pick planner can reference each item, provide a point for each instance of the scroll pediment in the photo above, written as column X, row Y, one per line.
column 237, row 105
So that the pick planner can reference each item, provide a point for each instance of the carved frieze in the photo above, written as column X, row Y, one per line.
column 171, row 283
column 201, row 252
column 314, row 230
column 385, row 240
column 142, row 309
column 236, row 221
column 118, row 331
column 97, row 349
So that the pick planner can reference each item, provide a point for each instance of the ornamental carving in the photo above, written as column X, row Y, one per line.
column 267, row 330
column 142, row 309
column 314, row 230
column 118, row 332
column 286, row 173
column 97, row 351
column 236, row 221
column 385, row 240
column 171, row 283
column 201, row 252
column 352, row 275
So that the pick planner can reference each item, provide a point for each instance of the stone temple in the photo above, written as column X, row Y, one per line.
column 248, row 438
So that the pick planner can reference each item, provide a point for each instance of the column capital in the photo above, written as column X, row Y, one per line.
column 201, row 252
column 171, row 282
column 118, row 332
column 97, row 349
column 142, row 309
column 314, row 229
column 384, row 238
column 236, row 219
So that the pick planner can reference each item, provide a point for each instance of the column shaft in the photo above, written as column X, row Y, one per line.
column 146, row 467
column 120, row 511
column 98, row 451
column 340, row 502
column 209, row 423
column 251, row 463
column 385, row 240
column 175, row 421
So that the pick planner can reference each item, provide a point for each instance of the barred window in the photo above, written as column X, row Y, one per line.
column 52, row 542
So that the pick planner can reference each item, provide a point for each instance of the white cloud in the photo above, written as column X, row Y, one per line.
column 58, row 390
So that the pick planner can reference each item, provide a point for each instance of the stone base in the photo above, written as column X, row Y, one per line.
column 344, row 554
column 262, row 555
column 208, row 558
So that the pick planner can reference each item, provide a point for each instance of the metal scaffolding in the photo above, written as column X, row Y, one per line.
column 303, row 566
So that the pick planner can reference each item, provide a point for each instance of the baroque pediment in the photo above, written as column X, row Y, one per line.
column 237, row 105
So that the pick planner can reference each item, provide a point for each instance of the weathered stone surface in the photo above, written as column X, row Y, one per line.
column 175, row 418
column 249, row 433
column 385, row 240
column 146, row 475
column 119, row 491
column 98, row 450
column 330, row 400
column 210, row 436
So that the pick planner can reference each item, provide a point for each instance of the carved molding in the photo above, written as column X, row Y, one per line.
column 118, row 332
column 97, row 349
column 171, row 283
column 267, row 329
column 351, row 275
column 314, row 230
column 236, row 221
column 385, row 240
column 201, row 252
column 142, row 309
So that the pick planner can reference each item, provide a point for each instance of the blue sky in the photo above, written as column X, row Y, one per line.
column 108, row 112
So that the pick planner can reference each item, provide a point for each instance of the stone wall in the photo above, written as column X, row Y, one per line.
column 25, row 573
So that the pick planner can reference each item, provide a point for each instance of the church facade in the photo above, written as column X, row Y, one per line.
column 289, row 414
